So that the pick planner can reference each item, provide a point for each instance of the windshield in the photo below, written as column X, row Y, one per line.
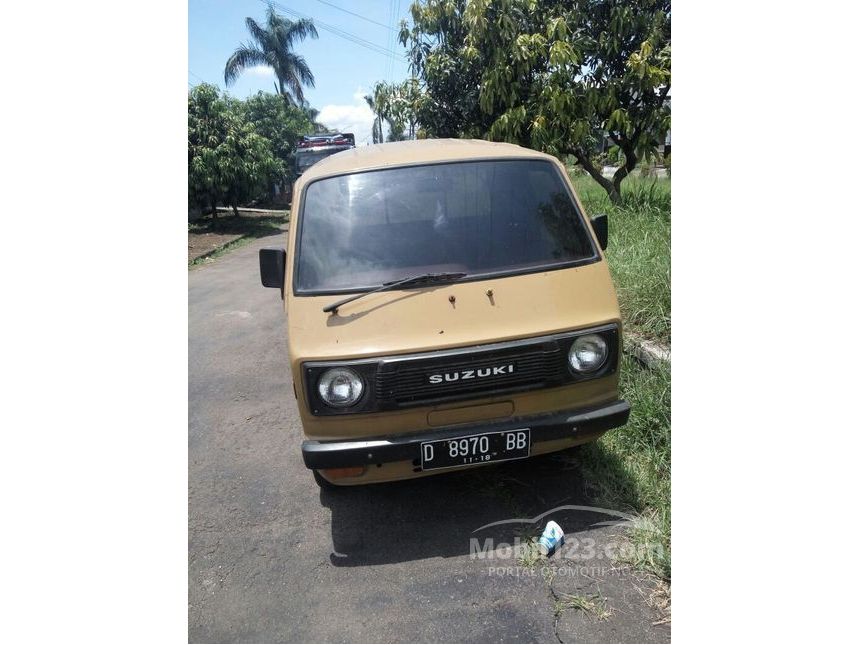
column 305, row 160
column 483, row 218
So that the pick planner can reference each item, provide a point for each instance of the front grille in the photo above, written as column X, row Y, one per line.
column 464, row 374
column 403, row 381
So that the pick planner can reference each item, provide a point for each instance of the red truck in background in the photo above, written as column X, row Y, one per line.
column 314, row 147
column 310, row 149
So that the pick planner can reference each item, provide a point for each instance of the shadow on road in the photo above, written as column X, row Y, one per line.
column 436, row 516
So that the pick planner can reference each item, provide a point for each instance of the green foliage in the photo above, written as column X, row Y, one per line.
column 630, row 467
column 395, row 132
column 272, row 45
column 612, row 156
column 282, row 125
column 405, row 102
column 639, row 251
column 395, row 104
column 377, row 102
column 449, row 72
column 228, row 161
column 552, row 75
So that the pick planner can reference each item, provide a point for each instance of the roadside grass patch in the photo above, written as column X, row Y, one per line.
column 214, row 254
column 249, row 228
column 530, row 555
column 639, row 250
column 629, row 468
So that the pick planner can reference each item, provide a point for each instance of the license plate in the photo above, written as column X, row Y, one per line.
column 476, row 449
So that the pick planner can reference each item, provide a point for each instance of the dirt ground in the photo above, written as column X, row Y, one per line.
column 202, row 243
column 206, row 234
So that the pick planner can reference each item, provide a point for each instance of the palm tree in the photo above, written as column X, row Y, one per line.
column 380, row 103
column 272, row 46
column 377, row 119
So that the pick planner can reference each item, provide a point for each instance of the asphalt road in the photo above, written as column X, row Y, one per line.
column 273, row 558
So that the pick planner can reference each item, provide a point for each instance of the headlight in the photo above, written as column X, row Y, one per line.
column 588, row 353
column 340, row 387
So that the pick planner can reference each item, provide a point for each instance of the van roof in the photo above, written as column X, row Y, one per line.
column 414, row 152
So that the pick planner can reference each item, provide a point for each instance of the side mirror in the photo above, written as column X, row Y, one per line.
column 600, row 224
column 273, row 268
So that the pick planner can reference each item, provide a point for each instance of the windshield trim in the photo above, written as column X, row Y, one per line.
column 471, row 277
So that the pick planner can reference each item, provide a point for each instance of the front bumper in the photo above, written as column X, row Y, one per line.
column 583, row 424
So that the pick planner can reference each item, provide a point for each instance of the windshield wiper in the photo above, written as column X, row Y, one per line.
column 415, row 280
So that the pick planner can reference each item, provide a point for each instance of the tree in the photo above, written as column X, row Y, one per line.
column 407, row 105
column 555, row 75
column 376, row 130
column 394, row 104
column 396, row 131
column 272, row 46
column 448, row 85
column 380, row 102
column 228, row 161
column 312, row 114
column 282, row 125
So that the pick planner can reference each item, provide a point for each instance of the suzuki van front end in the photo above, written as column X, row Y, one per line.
column 448, row 306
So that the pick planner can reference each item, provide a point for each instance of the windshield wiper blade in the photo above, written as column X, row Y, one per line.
column 424, row 278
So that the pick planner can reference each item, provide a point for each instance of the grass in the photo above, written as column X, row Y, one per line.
column 629, row 468
column 249, row 227
column 530, row 555
column 638, row 253
column 592, row 604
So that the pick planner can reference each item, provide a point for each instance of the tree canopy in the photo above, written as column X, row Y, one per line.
column 281, row 124
column 554, row 75
column 396, row 104
column 228, row 161
column 448, row 103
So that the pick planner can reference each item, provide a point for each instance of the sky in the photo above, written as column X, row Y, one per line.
column 344, row 70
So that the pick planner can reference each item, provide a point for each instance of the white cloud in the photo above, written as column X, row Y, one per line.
column 261, row 70
column 356, row 118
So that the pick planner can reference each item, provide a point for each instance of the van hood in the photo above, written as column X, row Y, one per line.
column 426, row 319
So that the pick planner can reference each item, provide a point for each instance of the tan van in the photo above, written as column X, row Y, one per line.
column 448, row 306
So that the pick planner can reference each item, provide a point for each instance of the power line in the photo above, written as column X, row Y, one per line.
column 197, row 77
column 387, row 75
column 338, row 32
column 352, row 13
column 394, row 37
